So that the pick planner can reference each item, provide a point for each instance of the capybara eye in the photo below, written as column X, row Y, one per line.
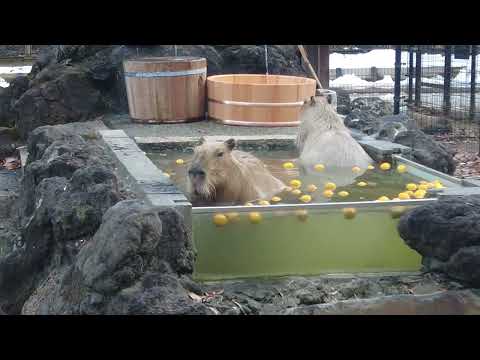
column 220, row 154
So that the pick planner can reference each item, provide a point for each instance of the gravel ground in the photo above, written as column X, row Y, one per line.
column 200, row 128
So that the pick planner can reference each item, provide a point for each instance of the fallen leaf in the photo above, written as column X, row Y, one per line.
column 194, row 296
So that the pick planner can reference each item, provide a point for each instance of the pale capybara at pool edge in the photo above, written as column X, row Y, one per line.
column 324, row 139
column 220, row 174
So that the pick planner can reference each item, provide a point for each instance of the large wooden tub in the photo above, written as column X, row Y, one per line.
column 258, row 100
column 166, row 89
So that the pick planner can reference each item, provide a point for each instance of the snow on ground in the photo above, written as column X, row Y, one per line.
column 385, row 58
column 3, row 83
column 355, row 82
column 15, row 69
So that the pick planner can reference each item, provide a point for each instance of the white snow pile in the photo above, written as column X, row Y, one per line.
column 15, row 69
column 353, row 81
column 385, row 58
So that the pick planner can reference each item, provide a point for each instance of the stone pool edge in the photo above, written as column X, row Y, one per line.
column 145, row 178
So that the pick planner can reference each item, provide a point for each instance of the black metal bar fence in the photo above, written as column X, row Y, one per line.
column 438, row 82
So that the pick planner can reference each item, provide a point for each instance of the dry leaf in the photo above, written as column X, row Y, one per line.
column 194, row 296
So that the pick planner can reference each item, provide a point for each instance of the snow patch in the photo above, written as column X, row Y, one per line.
column 15, row 69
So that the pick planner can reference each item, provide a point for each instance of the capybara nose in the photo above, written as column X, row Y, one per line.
column 196, row 171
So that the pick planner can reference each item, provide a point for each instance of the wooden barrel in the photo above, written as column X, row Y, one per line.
column 258, row 100
column 166, row 89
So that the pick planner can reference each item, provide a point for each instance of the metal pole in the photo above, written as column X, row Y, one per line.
column 410, row 75
column 473, row 79
column 398, row 68
column 418, row 76
column 447, row 75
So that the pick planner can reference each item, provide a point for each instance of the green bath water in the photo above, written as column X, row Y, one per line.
column 319, row 242
column 282, row 244
column 379, row 183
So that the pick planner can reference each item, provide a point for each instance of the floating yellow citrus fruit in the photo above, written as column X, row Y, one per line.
column 395, row 199
column 249, row 204
column 343, row 193
column 370, row 167
column 401, row 168
column 362, row 184
column 430, row 185
column 287, row 189
column 420, row 194
column 263, row 202
column 255, row 217
column 383, row 198
column 311, row 188
column 295, row 183
column 349, row 213
column 410, row 192
column 404, row 196
column 411, row 187
column 356, row 169
column 296, row 192
column 276, row 199
column 288, row 165
column 330, row 186
column 439, row 186
column 422, row 187
column 220, row 220
column 302, row 215
column 305, row 198
column 179, row 161
column 166, row 174
column 397, row 211
column 319, row 167
column 233, row 216
column 423, row 182
column 385, row 166
column 328, row 193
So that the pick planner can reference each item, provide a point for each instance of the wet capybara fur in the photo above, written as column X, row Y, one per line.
column 324, row 139
column 220, row 174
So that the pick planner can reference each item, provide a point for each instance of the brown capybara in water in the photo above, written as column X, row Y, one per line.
column 220, row 174
column 324, row 139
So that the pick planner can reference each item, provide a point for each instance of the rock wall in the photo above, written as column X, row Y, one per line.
column 447, row 235
column 86, row 246
column 71, row 83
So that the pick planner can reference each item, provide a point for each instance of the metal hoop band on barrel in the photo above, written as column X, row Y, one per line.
column 202, row 71
column 241, row 103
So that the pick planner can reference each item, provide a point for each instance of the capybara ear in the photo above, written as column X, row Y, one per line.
column 201, row 141
column 312, row 101
column 230, row 144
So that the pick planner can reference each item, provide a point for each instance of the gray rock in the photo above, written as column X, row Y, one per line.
column 131, row 266
column 464, row 266
column 344, row 106
column 442, row 303
column 365, row 112
column 427, row 151
column 447, row 234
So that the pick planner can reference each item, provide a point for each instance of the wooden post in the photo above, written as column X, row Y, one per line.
column 398, row 68
column 418, row 76
column 324, row 65
column 447, row 75
column 410, row 75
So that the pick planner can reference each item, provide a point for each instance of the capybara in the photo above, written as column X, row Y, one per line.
column 220, row 174
column 324, row 139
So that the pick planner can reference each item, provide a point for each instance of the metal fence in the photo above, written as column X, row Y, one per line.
column 438, row 86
